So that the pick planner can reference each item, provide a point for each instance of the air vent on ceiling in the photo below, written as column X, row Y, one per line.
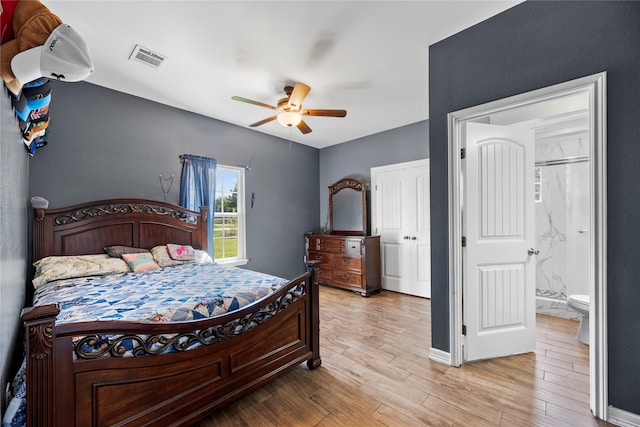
column 147, row 56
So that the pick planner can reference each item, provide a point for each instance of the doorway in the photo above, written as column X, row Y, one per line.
column 561, row 198
column 594, row 89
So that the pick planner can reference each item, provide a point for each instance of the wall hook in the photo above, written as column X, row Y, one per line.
column 165, row 192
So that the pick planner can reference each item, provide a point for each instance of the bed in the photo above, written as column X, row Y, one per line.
column 235, row 352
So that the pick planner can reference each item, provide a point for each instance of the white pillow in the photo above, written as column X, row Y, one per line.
column 202, row 256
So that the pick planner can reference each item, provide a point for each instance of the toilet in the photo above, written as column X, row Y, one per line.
column 580, row 303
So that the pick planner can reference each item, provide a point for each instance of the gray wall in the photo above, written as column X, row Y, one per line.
column 534, row 45
column 106, row 144
column 355, row 158
column 14, row 180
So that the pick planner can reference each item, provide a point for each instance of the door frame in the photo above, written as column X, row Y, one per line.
column 595, row 87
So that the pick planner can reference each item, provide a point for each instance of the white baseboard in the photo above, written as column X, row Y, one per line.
column 622, row 418
column 440, row 356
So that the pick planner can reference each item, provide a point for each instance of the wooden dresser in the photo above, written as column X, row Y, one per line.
column 348, row 262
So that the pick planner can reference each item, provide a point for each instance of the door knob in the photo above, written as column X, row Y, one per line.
column 406, row 237
column 533, row 251
column 414, row 238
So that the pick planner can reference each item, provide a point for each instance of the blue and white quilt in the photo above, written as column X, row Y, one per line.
column 170, row 294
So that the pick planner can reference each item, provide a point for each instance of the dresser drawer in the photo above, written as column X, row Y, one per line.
column 331, row 245
column 320, row 256
column 347, row 277
column 344, row 261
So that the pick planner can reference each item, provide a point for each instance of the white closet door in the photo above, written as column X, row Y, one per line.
column 400, row 215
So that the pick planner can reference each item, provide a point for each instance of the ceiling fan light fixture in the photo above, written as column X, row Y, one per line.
column 289, row 118
column 289, row 109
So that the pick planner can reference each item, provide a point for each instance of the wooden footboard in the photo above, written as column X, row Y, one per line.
column 237, row 353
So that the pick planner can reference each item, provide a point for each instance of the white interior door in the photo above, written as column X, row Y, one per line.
column 387, row 221
column 499, row 229
column 401, row 216
column 419, row 242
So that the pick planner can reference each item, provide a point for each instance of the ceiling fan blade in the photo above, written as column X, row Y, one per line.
column 250, row 101
column 325, row 113
column 300, row 91
column 261, row 122
column 304, row 128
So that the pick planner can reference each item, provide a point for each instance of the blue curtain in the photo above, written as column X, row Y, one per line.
column 197, row 188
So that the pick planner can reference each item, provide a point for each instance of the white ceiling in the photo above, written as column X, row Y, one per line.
column 368, row 57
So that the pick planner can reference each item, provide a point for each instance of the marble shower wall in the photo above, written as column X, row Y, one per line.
column 562, row 211
column 551, row 234
column 562, row 148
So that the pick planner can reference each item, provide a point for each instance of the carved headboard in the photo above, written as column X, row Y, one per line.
column 88, row 228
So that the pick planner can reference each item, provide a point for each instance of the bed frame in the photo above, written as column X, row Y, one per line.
column 66, row 387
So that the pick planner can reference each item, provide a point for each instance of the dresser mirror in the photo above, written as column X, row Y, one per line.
column 348, row 207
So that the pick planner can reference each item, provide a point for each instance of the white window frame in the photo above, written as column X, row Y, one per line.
column 538, row 184
column 241, row 259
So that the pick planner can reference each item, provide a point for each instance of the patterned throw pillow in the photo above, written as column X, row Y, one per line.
column 181, row 252
column 66, row 267
column 117, row 251
column 140, row 262
column 161, row 256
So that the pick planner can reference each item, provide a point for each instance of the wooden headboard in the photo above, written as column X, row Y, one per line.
column 90, row 227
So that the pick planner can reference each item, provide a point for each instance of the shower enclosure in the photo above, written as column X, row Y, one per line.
column 562, row 224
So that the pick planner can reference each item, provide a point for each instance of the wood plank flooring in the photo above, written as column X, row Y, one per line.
column 376, row 371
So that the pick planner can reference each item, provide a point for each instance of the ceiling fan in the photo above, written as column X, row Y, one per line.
column 290, row 110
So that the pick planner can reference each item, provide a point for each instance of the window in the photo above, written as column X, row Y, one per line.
column 228, row 221
column 537, row 186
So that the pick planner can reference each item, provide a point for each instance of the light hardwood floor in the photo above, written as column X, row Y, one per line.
column 376, row 371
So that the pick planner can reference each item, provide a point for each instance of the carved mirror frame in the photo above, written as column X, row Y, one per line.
column 353, row 185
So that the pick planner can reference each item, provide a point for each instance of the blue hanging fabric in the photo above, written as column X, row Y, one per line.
column 197, row 188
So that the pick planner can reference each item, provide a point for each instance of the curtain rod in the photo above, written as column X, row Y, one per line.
column 565, row 161
column 238, row 165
